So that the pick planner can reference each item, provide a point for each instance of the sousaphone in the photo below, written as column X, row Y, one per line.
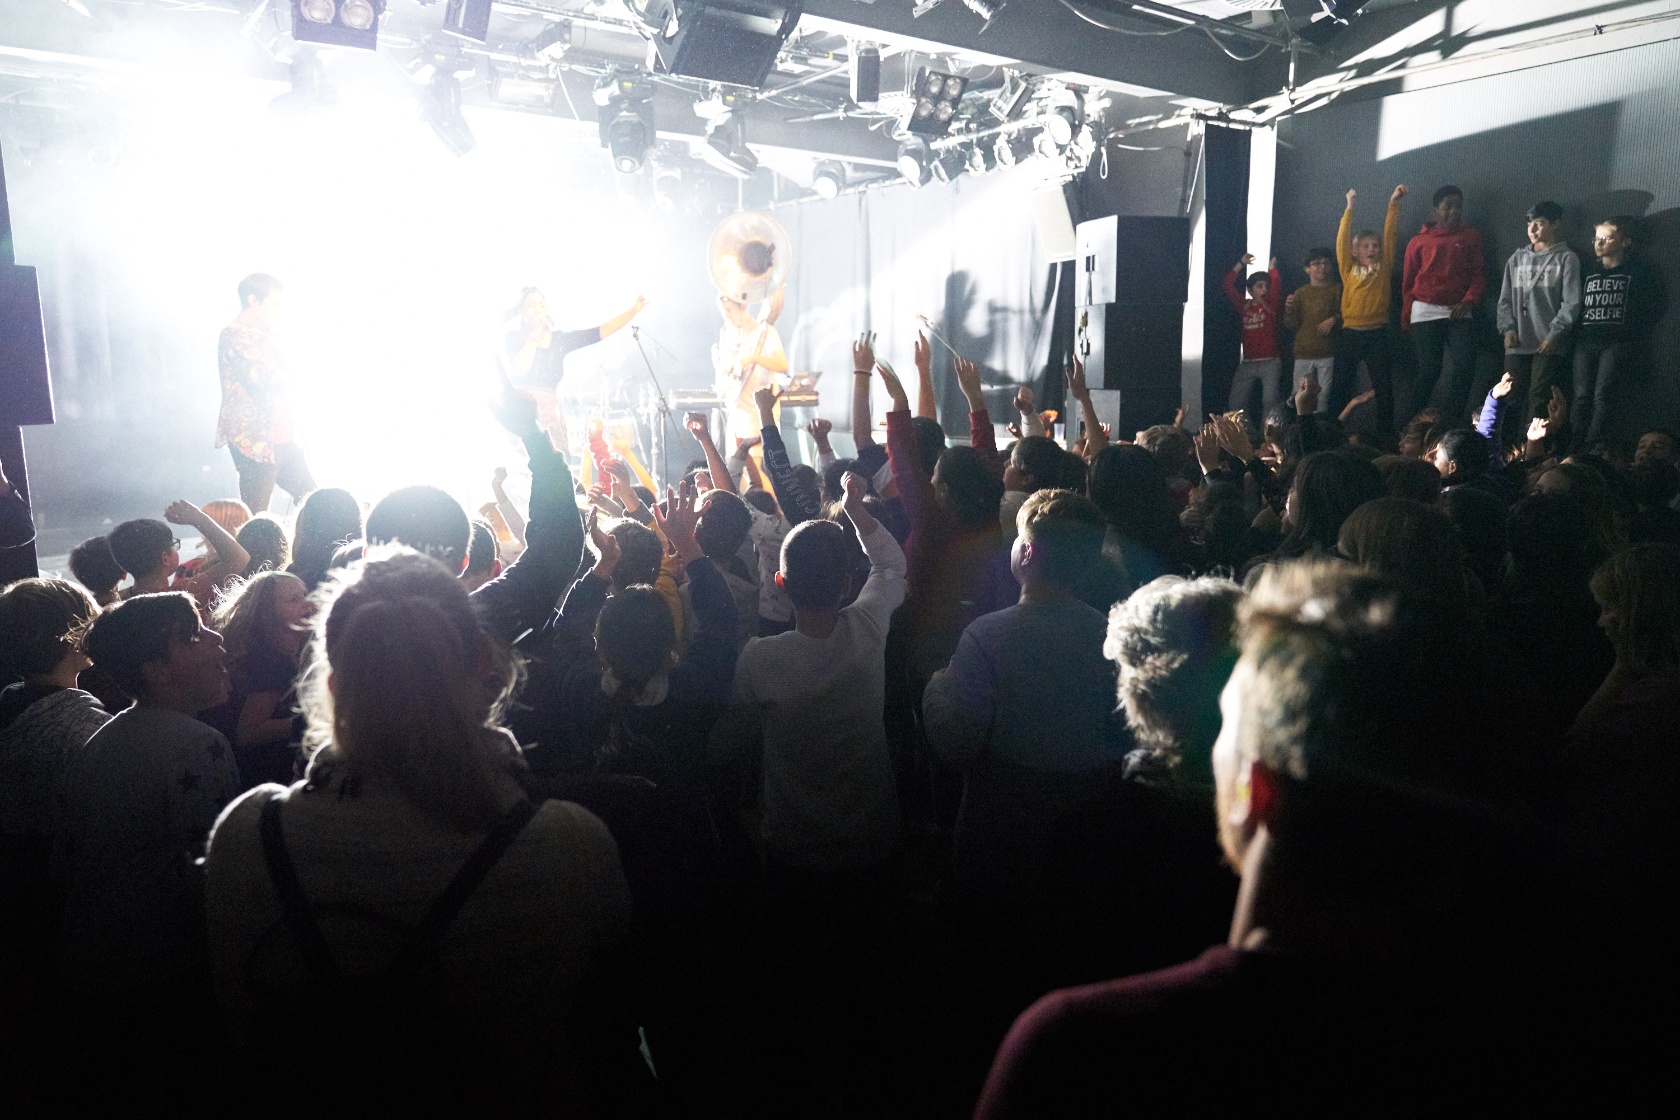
column 749, row 257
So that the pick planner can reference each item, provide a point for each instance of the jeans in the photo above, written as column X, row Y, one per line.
column 1265, row 371
column 257, row 480
column 1433, row 341
column 1538, row 373
column 1370, row 347
column 1321, row 370
column 1601, row 369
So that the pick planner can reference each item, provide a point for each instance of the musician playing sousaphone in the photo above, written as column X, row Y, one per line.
column 748, row 260
column 535, row 352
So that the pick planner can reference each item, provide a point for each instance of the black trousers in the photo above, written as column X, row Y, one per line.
column 1370, row 347
column 1434, row 341
column 257, row 480
column 1602, row 372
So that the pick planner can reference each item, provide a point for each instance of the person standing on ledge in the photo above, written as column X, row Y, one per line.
column 255, row 425
column 535, row 352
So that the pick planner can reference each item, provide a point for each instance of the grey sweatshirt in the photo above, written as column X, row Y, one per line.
column 1541, row 296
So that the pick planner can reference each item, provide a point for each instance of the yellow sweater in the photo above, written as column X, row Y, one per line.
column 1365, row 291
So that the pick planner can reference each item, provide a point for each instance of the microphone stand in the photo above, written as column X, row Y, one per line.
column 667, row 425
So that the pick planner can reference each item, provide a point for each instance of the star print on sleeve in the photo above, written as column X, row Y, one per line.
column 188, row 781
column 216, row 749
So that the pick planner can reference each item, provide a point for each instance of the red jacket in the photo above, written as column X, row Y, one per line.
column 1260, row 320
column 1442, row 267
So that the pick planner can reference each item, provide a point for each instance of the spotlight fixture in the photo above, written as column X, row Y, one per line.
column 866, row 74
column 948, row 165
column 1059, row 126
column 981, row 160
column 341, row 23
column 935, row 98
column 520, row 91
column 1009, row 102
column 667, row 183
column 469, row 19
column 726, row 146
column 987, row 10
column 625, row 119
column 828, row 178
column 440, row 107
column 1012, row 150
column 913, row 162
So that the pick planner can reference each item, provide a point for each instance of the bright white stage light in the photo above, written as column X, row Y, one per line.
column 357, row 15
column 316, row 11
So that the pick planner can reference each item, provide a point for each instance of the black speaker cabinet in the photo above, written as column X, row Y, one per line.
column 1136, row 349
column 1133, row 260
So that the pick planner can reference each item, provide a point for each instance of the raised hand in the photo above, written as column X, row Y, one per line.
column 183, row 512
column 604, row 545
column 699, row 425
column 1024, row 399
column 895, row 387
column 1247, row 259
column 968, row 380
column 1506, row 384
column 863, row 352
column 1233, row 439
column 498, row 477
column 923, row 352
column 682, row 514
column 1272, row 266
column 1351, row 195
column 1207, row 448
column 820, row 429
column 766, row 399
column 1537, row 429
column 856, row 489
column 1557, row 409
column 1076, row 386
column 1178, row 417
column 1306, row 396
column 1015, row 430
column 1399, row 193
column 623, row 489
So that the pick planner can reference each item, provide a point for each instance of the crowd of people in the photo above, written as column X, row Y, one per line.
column 1261, row 761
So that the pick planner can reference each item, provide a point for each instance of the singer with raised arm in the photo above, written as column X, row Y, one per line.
column 535, row 353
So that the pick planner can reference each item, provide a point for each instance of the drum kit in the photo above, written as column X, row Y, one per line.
column 748, row 260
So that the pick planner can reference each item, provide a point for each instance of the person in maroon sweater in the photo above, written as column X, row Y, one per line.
column 1373, row 929
column 1443, row 280
column 1259, row 311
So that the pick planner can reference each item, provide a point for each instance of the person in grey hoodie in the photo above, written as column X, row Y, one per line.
column 1539, row 306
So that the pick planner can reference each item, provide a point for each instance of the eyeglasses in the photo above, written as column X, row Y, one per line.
column 175, row 543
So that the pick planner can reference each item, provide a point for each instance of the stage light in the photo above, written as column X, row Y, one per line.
column 521, row 92
column 866, row 74
column 1009, row 102
column 342, row 23
column 934, row 100
column 726, row 146
column 469, row 19
column 1012, row 150
column 981, row 160
column 987, row 10
column 667, row 183
column 948, row 165
column 625, row 120
column 913, row 162
column 828, row 179
column 1059, row 126
column 440, row 107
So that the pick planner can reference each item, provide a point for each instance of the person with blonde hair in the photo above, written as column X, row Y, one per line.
column 406, row 902
column 264, row 625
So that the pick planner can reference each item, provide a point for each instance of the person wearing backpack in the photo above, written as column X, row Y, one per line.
column 404, row 927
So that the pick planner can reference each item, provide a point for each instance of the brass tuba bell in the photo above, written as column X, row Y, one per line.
column 749, row 256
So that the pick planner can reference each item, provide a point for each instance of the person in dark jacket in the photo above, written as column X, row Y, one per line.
column 1622, row 299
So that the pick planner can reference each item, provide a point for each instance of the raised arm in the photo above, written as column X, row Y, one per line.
column 523, row 597
column 231, row 556
column 863, row 368
column 1487, row 421
column 1344, row 241
column 701, row 429
column 1032, row 422
column 1095, row 438
column 622, row 319
column 509, row 512
column 819, row 430
column 884, row 590
column 797, row 500
column 980, row 434
column 927, row 404
column 915, row 487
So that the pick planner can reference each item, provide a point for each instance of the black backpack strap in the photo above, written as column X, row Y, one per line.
column 294, row 905
column 423, row 940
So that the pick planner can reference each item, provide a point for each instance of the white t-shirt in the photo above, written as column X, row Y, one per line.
column 1426, row 312
column 830, row 802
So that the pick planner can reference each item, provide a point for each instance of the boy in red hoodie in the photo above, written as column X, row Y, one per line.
column 1442, row 283
column 1259, row 311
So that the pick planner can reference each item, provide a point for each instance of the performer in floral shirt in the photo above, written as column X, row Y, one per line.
column 254, row 425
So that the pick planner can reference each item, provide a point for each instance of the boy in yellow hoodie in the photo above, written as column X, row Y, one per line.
column 1367, row 266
